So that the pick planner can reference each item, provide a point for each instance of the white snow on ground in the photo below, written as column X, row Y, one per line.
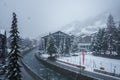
column 45, row 55
column 93, row 62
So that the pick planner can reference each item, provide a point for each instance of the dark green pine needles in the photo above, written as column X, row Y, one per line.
column 14, row 68
column 51, row 46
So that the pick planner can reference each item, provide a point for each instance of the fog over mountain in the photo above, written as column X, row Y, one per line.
column 39, row 17
column 91, row 25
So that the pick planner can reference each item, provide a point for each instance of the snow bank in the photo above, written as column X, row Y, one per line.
column 45, row 55
column 93, row 62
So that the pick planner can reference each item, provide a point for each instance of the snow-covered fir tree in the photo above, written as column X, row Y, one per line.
column 74, row 46
column 99, row 43
column 118, row 40
column 67, row 47
column 111, row 32
column 51, row 49
column 104, row 44
column 94, row 45
column 14, row 68
column 107, row 40
column 63, row 46
column 60, row 48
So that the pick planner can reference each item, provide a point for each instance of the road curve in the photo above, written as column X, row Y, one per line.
column 40, row 69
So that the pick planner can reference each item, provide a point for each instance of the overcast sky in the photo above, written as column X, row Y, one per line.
column 36, row 17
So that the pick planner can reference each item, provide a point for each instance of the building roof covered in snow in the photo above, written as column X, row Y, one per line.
column 57, row 33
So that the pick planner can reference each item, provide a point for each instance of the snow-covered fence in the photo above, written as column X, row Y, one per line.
column 81, row 67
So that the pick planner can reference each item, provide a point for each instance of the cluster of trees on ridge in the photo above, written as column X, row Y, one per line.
column 107, row 40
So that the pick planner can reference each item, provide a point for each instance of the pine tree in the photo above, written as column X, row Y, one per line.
column 102, row 42
column 94, row 45
column 118, row 40
column 107, row 39
column 13, row 69
column 111, row 34
column 67, row 47
column 99, row 43
column 61, row 47
column 74, row 46
column 51, row 46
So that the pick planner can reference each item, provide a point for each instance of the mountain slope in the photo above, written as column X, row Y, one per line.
column 91, row 25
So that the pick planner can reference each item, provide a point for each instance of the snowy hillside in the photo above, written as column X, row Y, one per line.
column 91, row 25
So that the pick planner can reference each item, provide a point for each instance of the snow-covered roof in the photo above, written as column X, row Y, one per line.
column 57, row 33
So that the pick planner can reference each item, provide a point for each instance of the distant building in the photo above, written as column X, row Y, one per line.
column 85, row 43
column 85, row 39
column 84, row 46
column 61, row 40
column 3, row 47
